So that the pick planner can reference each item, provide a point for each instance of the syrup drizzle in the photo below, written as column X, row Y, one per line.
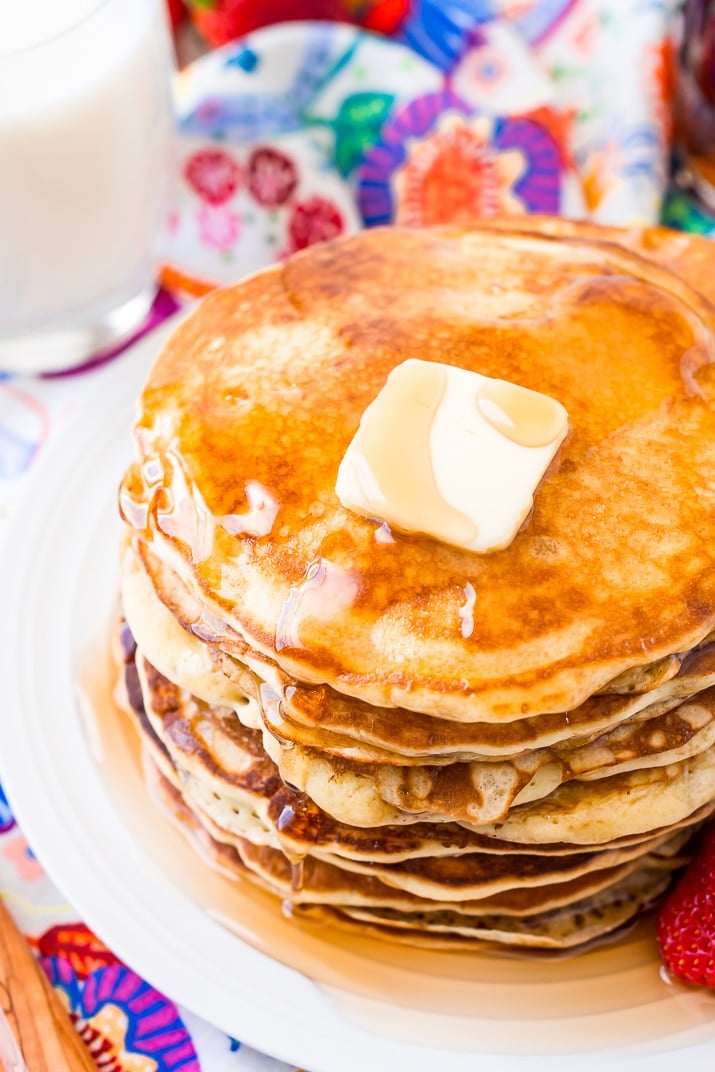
column 259, row 518
column 296, row 860
column 466, row 611
column 326, row 590
column 526, row 417
column 405, row 478
column 180, row 512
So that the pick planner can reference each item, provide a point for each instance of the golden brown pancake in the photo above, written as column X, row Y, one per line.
column 473, row 894
column 577, row 923
column 291, row 710
column 254, row 400
column 235, row 792
column 326, row 714
column 222, row 763
column 399, row 919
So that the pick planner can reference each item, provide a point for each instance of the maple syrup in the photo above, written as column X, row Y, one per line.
column 397, row 457
column 526, row 417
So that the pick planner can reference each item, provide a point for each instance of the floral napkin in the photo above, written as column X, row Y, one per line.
column 304, row 131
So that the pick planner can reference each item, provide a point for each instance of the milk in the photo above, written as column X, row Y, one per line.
column 85, row 130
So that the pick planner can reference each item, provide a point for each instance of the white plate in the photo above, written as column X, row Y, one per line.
column 106, row 849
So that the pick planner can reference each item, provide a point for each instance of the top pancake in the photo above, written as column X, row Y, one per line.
column 249, row 410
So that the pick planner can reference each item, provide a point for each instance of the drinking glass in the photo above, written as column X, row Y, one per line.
column 694, row 101
column 85, row 143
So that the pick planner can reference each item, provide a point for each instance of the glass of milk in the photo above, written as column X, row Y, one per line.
column 85, row 142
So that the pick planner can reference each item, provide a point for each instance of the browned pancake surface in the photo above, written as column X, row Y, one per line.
column 250, row 409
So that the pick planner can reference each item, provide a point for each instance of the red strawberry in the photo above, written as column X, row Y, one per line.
column 272, row 176
column 686, row 923
column 214, row 175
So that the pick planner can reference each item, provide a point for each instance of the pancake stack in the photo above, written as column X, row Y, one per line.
column 388, row 732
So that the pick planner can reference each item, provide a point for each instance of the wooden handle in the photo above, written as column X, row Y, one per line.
column 42, row 1028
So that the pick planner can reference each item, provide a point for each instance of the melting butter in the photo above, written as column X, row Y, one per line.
column 452, row 454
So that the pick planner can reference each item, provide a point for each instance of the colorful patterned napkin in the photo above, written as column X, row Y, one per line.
column 303, row 131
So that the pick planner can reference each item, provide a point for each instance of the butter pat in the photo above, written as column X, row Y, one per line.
column 452, row 454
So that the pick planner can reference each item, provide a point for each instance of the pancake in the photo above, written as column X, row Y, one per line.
column 388, row 731
column 289, row 709
column 227, row 780
column 463, row 879
column 259, row 373
column 418, row 895
column 176, row 653
column 578, row 923
column 475, row 742
column 233, row 806
column 688, row 259
column 237, row 757
column 582, row 922
column 367, row 794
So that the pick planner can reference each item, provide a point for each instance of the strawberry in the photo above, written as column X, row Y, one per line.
column 685, row 926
